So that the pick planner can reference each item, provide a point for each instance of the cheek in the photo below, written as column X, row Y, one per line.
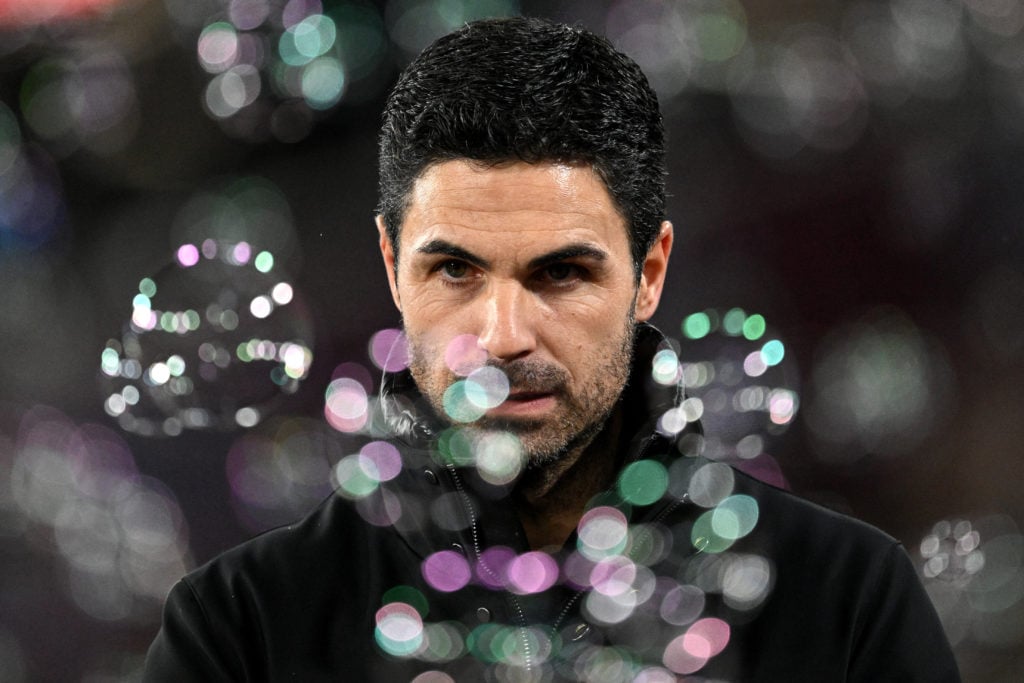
column 428, row 346
column 423, row 313
column 593, row 318
column 582, row 338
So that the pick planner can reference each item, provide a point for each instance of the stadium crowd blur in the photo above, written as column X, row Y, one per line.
column 193, row 318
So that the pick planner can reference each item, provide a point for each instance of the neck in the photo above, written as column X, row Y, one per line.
column 550, row 500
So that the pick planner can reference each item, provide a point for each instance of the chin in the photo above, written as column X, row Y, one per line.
column 540, row 460
column 543, row 452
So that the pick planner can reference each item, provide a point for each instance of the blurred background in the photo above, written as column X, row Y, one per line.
column 192, row 310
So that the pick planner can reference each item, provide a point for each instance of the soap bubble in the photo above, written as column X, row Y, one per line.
column 213, row 341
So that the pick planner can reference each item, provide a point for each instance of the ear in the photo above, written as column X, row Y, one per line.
column 387, row 251
column 652, row 276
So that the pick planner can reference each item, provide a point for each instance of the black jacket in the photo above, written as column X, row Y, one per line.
column 722, row 577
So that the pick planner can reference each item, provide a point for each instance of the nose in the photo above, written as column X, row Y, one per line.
column 509, row 321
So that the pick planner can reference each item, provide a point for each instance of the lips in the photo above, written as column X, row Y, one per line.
column 528, row 395
column 525, row 403
column 535, row 389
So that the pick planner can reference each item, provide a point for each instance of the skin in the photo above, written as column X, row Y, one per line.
column 533, row 261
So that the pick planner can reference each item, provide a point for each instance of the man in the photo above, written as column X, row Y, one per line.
column 551, row 518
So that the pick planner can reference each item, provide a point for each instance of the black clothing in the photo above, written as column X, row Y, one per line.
column 759, row 585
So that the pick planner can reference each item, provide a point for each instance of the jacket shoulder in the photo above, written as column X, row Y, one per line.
column 789, row 517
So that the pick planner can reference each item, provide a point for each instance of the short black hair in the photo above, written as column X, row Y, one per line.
column 531, row 90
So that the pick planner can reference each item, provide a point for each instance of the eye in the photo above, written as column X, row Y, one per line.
column 456, row 270
column 561, row 272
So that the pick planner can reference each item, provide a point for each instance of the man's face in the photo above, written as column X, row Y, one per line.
column 527, row 265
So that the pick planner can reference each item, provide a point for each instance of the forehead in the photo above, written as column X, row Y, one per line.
column 512, row 205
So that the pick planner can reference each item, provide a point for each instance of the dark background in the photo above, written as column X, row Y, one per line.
column 850, row 171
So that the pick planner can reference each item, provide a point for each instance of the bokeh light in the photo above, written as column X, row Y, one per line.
column 665, row 367
column 462, row 402
column 32, row 211
column 492, row 566
column 682, row 604
column 499, row 457
column 532, row 572
column 996, row 301
column 277, row 68
column 741, row 386
column 602, row 531
column 838, row 156
column 389, row 351
column 414, row 24
column 445, row 642
column 280, row 472
column 464, row 354
column 973, row 570
column 86, row 100
column 447, row 571
column 880, row 385
column 688, row 653
column 347, row 404
column 655, row 675
column 735, row 517
column 643, row 482
column 399, row 629
column 247, row 219
column 219, row 352
column 487, row 387
column 433, row 677
column 29, row 12
column 120, row 535
column 746, row 581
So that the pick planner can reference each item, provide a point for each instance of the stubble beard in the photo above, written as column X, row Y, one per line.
column 577, row 420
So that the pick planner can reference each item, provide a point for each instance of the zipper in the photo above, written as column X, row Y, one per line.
column 520, row 616
column 665, row 512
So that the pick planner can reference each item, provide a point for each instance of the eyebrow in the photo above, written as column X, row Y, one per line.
column 446, row 248
column 572, row 251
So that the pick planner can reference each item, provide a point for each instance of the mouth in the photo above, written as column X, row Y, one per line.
column 525, row 403
column 528, row 395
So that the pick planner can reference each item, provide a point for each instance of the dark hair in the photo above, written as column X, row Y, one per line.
column 527, row 89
